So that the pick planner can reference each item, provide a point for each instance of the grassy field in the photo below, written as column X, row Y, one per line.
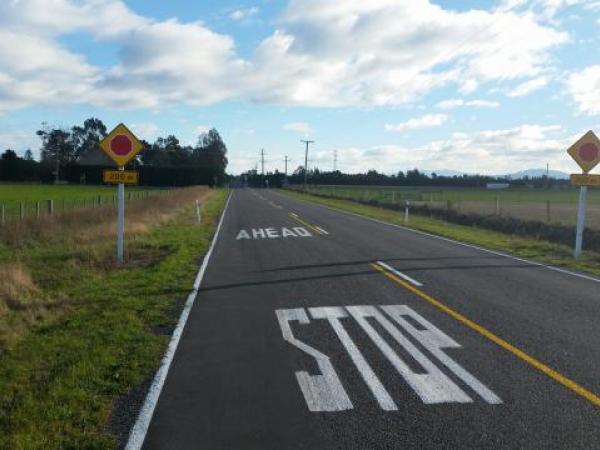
column 546, row 205
column 65, row 197
column 77, row 332
column 546, row 252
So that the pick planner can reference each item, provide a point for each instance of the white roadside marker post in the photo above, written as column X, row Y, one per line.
column 198, row 216
column 406, row 211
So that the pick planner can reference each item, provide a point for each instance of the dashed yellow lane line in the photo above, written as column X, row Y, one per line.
column 567, row 382
column 312, row 227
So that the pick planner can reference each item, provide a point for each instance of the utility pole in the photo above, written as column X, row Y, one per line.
column 335, row 160
column 262, row 161
column 306, row 160
column 286, row 159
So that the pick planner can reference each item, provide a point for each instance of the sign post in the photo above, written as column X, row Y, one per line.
column 586, row 153
column 121, row 146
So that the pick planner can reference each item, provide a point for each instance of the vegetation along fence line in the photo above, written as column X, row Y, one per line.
column 26, row 209
column 552, row 232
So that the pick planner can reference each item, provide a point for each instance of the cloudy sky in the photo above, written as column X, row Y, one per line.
column 477, row 86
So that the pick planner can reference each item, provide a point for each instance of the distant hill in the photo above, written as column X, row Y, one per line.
column 538, row 173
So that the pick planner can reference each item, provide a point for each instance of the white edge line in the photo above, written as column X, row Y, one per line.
column 464, row 244
column 400, row 274
column 140, row 428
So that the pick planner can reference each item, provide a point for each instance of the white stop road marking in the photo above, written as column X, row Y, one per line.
column 325, row 392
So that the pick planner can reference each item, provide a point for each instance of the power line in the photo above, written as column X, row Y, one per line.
column 306, row 159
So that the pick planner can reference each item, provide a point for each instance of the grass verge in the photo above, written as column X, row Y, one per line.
column 96, row 331
column 526, row 247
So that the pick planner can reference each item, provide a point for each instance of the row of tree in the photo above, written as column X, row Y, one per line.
column 74, row 155
column 373, row 178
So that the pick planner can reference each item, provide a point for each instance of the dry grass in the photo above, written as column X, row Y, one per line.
column 89, row 225
column 21, row 303
column 38, row 256
column 16, row 288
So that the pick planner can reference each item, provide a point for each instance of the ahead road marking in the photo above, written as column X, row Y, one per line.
column 325, row 392
column 400, row 274
column 272, row 233
column 570, row 384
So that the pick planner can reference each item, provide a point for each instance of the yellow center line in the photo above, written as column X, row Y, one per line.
column 567, row 382
column 295, row 217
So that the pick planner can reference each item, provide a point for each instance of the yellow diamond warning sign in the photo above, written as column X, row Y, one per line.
column 121, row 145
column 586, row 151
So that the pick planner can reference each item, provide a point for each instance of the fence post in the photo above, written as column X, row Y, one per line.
column 2, row 215
column 99, row 200
column 21, row 210
column 548, row 210
column 406, row 211
column 50, row 207
column 37, row 209
column 497, row 206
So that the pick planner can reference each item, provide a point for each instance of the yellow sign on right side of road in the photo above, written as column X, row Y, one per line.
column 586, row 151
column 585, row 180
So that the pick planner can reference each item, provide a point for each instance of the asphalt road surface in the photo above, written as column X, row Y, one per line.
column 318, row 329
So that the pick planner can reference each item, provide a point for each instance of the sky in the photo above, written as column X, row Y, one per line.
column 490, row 87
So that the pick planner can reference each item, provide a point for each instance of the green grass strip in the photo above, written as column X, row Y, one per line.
column 59, row 383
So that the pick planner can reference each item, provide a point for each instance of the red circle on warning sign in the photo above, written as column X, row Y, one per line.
column 588, row 152
column 121, row 145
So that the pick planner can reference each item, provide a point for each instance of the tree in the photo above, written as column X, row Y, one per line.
column 28, row 155
column 86, row 138
column 57, row 148
column 9, row 163
column 212, row 151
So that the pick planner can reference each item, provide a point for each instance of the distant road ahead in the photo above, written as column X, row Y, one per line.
column 316, row 329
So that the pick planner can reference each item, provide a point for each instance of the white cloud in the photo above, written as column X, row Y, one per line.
column 146, row 131
column 584, row 87
column 487, row 151
column 161, row 63
column 311, row 61
column 243, row 13
column 308, row 60
column 427, row 121
column 299, row 127
column 454, row 103
column 201, row 129
column 528, row 87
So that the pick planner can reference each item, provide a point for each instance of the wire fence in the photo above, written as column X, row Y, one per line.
column 22, row 210
column 552, row 206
